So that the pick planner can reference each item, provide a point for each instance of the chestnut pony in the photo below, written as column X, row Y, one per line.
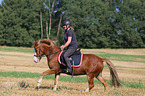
column 92, row 65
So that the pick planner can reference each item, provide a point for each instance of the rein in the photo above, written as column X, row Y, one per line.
column 43, row 52
column 53, row 53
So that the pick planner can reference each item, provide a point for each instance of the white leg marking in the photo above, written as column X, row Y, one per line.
column 87, row 90
column 56, row 82
column 39, row 81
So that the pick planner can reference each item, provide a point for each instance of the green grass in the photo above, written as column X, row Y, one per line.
column 66, row 78
column 14, row 55
column 127, row 67
column 120, row 57
column 134, row 84
column 123, row 57
column 17, row 49
column 115, row 57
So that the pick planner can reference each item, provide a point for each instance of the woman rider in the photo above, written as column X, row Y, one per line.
column 70, row 43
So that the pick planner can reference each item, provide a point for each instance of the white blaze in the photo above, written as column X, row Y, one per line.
column 36, row 60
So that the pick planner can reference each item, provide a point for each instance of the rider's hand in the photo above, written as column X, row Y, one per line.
column 62, row 47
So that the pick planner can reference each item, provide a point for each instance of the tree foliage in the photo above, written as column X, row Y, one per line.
column 20, row 22
column 97, row 23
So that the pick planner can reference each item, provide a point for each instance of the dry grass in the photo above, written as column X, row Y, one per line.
column 23, row 62
column 10, row 87
column 72, row 89
column 119, row 51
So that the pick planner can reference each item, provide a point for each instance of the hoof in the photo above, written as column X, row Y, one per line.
column 54, row 89
column 36, row 88
column 63, row 70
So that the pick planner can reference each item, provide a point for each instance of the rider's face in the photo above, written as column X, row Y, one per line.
column 65, row 27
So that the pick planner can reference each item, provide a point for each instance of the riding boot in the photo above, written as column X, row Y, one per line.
column 69, row 70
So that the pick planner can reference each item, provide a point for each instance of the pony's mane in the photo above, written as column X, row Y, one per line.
column 48, row 42
column 45, row 41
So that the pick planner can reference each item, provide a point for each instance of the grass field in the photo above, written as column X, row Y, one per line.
column 16, row 65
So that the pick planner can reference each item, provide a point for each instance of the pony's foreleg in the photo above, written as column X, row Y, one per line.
column 47, row 72
column 39, row 82
column 56, row 81
column 91, row 84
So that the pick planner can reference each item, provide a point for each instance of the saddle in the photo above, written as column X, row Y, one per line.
column 75, row 59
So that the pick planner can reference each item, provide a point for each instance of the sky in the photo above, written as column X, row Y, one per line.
column 1, row 1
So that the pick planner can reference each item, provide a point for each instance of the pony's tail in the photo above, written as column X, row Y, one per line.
column 113, row 73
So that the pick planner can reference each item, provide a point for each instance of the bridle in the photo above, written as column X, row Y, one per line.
column 40, row 50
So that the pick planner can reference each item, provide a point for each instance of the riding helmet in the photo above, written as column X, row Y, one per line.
column 66, row 22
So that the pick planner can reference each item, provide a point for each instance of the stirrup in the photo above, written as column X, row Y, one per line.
column 69, row 71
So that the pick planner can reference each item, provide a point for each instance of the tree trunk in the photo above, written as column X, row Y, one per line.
column 50, row 16
column 49, row 26
column 59, row 26
column 47, row 30
column 41, row 24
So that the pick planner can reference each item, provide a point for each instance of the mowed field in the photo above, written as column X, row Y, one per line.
column 17, row 66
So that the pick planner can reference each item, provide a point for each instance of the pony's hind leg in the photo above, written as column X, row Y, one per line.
column 56, row 81
column 101, row 79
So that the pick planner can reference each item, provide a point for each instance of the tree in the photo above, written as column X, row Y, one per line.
column 89, row 18
column 41, row 23
column 97, row 23
column 20, row 19
column 131, row 12
column 2, row 41
column 50, row 6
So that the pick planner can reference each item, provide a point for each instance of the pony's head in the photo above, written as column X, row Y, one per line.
column 42, row 47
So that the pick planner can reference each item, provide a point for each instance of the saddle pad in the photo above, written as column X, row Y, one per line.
column 76, row 58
